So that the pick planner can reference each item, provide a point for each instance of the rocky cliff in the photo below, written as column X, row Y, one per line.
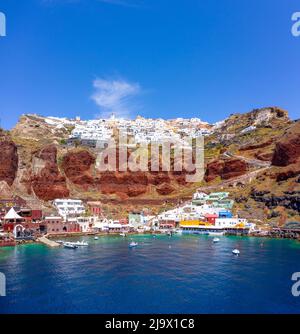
column 260, row 149
column 8, row 161
column 47, row 182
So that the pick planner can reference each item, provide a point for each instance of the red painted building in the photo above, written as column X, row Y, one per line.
column 95, row 208
column 211, row 218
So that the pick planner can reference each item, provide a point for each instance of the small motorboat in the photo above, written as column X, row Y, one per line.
column 133, row 244
column 69, row 245
column 80, row 243
column 236, row 252
column 123, row 235
column 96, row 238
column 215, row 240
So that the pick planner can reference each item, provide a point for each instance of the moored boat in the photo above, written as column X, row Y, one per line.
column 133, row 244
column 69, row 245
column 80, row 243
column 215, row 240
column 236, row 252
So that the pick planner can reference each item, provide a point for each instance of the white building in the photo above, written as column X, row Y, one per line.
column 69, row 207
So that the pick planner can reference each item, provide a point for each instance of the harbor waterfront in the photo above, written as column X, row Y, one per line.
column 162, row 274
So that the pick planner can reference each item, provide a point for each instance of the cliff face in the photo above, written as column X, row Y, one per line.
column 47, row 182
column 8, row 161
column 225, row 169
column 36, row 162
column 287, row 150
column 287, row 154
column 79, row 167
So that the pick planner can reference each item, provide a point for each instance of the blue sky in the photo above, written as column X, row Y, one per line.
column 156, row 58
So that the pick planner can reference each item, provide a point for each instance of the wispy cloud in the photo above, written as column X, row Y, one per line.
column 115, row 96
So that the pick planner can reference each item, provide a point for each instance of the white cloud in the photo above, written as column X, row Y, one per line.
column 115, row 96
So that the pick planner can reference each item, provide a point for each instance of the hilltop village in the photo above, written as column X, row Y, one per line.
column 97, row 133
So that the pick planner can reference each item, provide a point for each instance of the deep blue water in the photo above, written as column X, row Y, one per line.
column 181, row 274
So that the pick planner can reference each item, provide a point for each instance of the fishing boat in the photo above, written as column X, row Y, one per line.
column 80, row 243
column 133, row 244
column 69, row 245
column 215, row 240
column 236, row 252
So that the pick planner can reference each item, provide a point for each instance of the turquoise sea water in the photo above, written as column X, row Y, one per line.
column 180, row 274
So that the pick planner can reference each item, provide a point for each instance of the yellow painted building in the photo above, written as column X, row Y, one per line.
column 195, row 223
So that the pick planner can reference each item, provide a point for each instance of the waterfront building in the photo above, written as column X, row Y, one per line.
column 56, row 225
column 69, row 207
column 225, row 214
column 136, row 220
column 12, row 222
column 85, row 224
column 211, row 218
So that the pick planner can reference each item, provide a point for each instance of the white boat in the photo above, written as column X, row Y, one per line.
column 123, row 234
column 236, row 252
column 96, row 238
column 133, row 244
column 215, row 240
column 69, row 245
column 80, row 243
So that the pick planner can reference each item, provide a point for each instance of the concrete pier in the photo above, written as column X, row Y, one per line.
column 48, row 242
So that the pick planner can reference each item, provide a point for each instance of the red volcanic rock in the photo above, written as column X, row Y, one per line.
column 287, row 150
column 77, row 165
column 256, row 146
column 214, row 169
column 165, row 189
column 234, row 168
column 78, row 169
column 136, row 190
column 226, row 169
column 157, row 178
column 288, row 172
column 8, row 161
column 130, row 184
column 49, row 184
